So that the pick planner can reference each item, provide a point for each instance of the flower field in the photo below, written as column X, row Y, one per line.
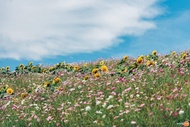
column 147, row 91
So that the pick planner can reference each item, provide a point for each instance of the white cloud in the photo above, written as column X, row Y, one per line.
column 36, row 29
column 172, row 34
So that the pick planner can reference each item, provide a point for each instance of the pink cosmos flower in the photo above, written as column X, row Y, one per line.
column 141, row 105
column 29, row 124
column 167, row 109
column 128, row 89
column 176, row 95
column 150, row 113
column 48, row 118
column 159, row 97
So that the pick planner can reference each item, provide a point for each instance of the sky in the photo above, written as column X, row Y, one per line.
column 47, row 32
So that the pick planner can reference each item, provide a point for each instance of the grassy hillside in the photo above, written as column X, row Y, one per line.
column 150, row 90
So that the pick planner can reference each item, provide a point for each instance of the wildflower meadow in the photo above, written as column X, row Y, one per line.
column 151, row 90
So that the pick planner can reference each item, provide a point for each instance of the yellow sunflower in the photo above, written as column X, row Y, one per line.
column 57, row 80
column 125, row 58
column 63, row 63
column 85, row 65
column 148, row 63
column 15, row 100
column 140, row 59
column 23, row 95
column 86, row 77
column 76, row 67
column 102, row 63
column 21, row 65
column 173, row 53
column 44, row 71
column 33, row 67
column 58, row 65
column 154, row 52
column 94, row 71
column 184, row 55
column 46, row 84
column 7, row 68
column 10, row 91
column 104, row 68
column 97, row 75
column 147, row 56
column 30, row 64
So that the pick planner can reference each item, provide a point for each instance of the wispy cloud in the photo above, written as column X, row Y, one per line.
column 37, row 29
column 172, row 33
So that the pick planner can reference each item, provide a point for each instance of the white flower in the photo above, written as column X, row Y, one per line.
column 88, row 108
column 33, row 105
column 104, row 105
column 79, row 87
column 98, row 112
column 189, row 104
column 22, row 102
column 181, row 112
column 37, row 89
column 103, row 116
column 136, row 88
column 36, row 107
column 133, row 122
column 110, row 106
column 110, row 97
column 98, row 102
column 7, row 104
column 69, row 103
column 83, row 81
column 72, row 89
column 120, row 100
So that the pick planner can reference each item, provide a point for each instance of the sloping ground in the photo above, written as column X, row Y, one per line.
column 148, row 91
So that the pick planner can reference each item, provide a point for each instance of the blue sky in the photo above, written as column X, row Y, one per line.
column 86, row 30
